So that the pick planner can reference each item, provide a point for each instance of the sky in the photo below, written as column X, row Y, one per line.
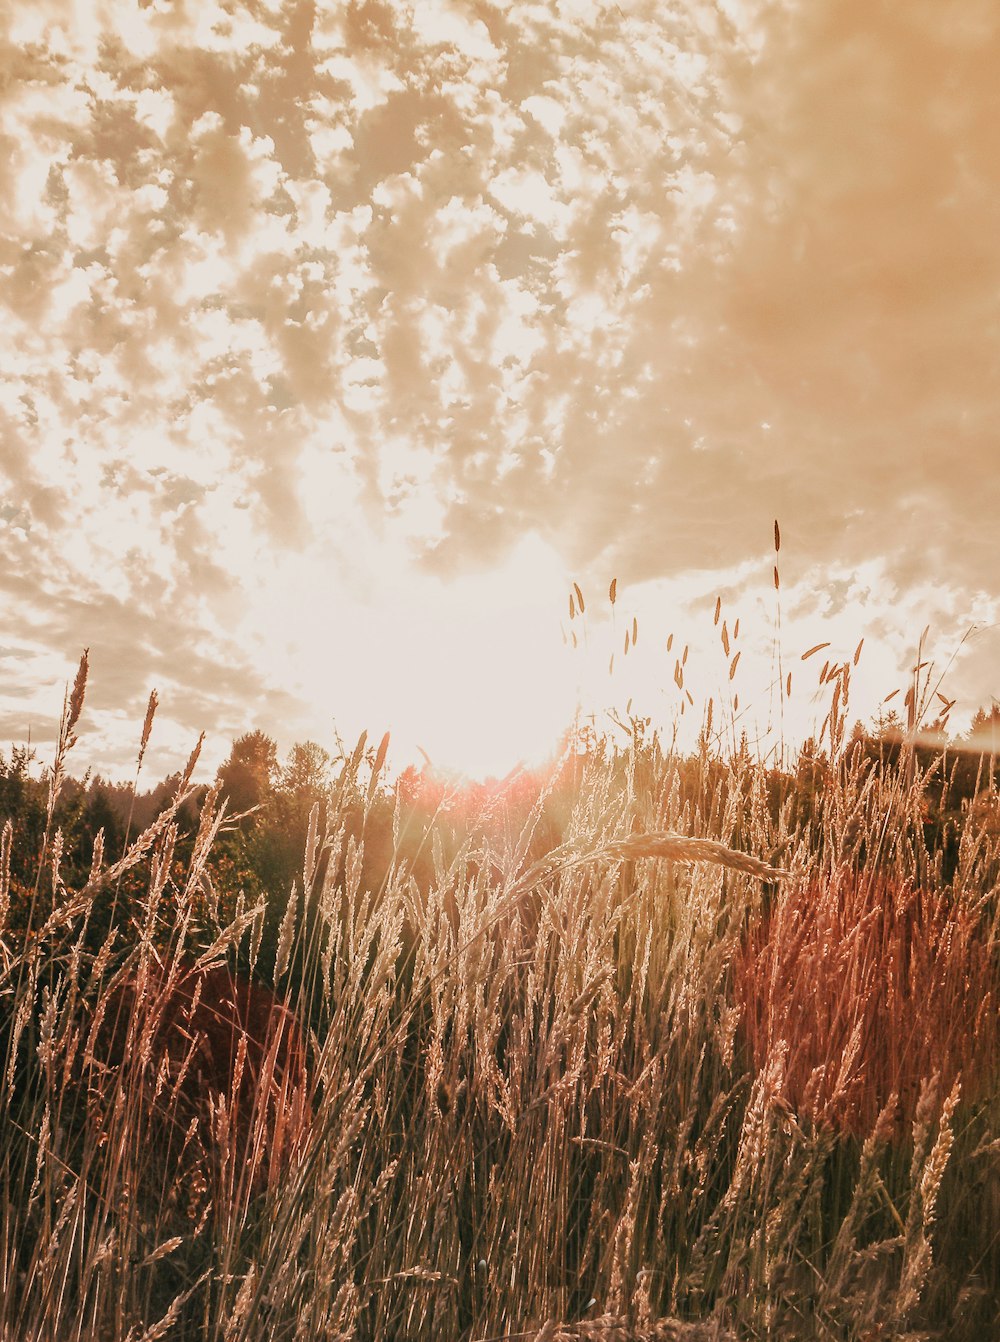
column 341, row 339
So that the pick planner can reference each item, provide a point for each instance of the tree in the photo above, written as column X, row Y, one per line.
column 306, row 775
column 984, row 734
column 888, row 727
column 978, row 752
column 22, row 802
column 249, row 774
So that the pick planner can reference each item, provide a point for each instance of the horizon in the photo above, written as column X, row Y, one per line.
column 886, row 726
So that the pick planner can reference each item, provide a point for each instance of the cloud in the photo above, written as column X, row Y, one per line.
column 319, row 281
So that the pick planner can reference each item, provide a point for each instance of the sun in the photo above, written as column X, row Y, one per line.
column 486, row 683
column 469, row 671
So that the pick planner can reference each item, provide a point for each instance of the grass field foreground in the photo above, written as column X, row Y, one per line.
column 555, row 1066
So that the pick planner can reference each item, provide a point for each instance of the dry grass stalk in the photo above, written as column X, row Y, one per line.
column 682, row 848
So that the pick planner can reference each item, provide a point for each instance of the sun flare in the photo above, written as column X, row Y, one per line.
column 469, row 672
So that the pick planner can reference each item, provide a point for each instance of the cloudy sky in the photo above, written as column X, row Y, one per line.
column 340, row 339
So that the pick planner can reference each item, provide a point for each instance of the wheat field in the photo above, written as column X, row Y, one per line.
column 644, row 1046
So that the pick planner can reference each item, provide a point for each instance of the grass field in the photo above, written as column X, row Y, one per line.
column 555, row 1063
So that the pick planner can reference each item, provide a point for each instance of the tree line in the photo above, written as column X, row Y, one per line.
column 269, row 802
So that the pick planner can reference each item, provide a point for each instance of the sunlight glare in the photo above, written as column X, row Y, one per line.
column 472, row 670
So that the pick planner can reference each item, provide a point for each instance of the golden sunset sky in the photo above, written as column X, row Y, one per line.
column 340, row 339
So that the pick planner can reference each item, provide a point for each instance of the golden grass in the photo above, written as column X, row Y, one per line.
column 658, row 1049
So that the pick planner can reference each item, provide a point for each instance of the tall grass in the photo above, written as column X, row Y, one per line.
column 554, row 1072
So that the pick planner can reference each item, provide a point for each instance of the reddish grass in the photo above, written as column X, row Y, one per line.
column 870, row 985
column 221, row 1049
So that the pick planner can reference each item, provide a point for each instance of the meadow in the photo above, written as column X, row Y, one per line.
column 644, row 1045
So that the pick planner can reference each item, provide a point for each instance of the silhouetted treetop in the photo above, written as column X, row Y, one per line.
column 307, row 770
column 249, row 774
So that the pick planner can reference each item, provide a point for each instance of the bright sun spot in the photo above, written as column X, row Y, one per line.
column 472, row 670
